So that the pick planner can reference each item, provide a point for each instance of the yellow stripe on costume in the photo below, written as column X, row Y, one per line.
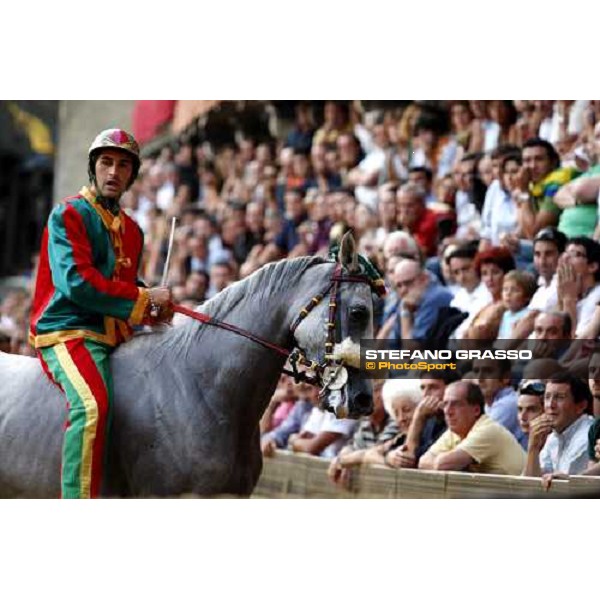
column 56, row 337
column 139, row 308
column 91, row 415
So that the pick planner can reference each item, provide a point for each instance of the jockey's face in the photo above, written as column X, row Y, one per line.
column 113, row 173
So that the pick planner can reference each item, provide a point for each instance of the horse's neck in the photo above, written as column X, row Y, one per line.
column 270, row 315
column 254, row 369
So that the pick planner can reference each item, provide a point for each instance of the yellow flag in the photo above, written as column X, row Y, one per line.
column 37, row 131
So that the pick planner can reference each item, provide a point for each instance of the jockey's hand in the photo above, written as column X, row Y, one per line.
column 161, row 296
column 166, row 313
column 161, row 305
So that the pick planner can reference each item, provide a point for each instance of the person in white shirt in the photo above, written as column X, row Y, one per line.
column 366, row 175
column 468, row 218
column 472, row 294
column 558, row 439
column 322, row 435
column 578, row 281
column 548, row 245
column 499, row 213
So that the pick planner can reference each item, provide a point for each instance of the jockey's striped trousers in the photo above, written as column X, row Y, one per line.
column 81, row 368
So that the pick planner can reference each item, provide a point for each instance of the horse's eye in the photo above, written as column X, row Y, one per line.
column 358, row 312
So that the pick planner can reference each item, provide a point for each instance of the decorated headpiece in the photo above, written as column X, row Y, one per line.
column 367, row 268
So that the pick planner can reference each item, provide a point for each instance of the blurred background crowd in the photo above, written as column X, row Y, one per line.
column 483, row 217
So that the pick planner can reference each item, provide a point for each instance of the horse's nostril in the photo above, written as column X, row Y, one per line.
column 363, row 403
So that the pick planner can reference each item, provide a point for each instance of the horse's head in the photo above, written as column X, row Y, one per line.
column 331, row 329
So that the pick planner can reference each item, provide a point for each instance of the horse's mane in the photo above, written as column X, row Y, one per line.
column 270, row 279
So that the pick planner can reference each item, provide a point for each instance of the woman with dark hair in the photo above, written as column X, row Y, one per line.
column 504, row 114
column 491, row 265
column 466, row 130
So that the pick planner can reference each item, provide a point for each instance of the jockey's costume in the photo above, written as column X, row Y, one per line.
column 87, row 298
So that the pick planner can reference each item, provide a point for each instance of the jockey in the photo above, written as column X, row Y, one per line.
column 87, row 299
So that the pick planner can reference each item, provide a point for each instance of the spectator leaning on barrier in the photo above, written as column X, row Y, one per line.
column 277, row 438
column 493, row 378
column 322, row 434
column 400, row 401
column 374, row 432
column 558, row 439
column 473, row 441
column 428, row 422
column 530, row 404
column 280, row 405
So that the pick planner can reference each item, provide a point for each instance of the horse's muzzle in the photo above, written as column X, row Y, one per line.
column 361, row 405
column 348, row 406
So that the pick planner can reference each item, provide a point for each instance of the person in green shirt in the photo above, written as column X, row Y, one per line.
column 578, row 199
column 540, row 179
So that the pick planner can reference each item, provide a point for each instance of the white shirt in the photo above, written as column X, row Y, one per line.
column 491, row 135
column 372, row 163
column 585, row 309
column 472, row 303
column 445, row 162
column 165, row 196
column 499, row 214
column 467, row 215
column 546, row 296
column 320, row 420
column 566, row 452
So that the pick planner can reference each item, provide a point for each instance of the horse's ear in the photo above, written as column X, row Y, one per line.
column 348, row 256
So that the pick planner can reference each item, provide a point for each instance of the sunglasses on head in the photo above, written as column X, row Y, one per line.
column 534, row 388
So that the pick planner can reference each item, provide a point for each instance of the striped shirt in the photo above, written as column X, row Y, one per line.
column 366, row 436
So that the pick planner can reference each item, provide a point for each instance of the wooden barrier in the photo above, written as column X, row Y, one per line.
column 289, row 475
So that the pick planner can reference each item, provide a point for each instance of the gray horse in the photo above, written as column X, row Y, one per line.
column 188, row 399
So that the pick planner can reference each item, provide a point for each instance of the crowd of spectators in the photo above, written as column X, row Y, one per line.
column 483, row 216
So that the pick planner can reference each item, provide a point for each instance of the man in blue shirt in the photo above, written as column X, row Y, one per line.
column 501, row 400
column 289, row 237
column 420, row 299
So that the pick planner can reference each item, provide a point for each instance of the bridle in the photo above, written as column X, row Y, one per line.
column 330, row 373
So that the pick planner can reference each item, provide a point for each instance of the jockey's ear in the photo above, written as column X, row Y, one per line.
column 348, row 256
